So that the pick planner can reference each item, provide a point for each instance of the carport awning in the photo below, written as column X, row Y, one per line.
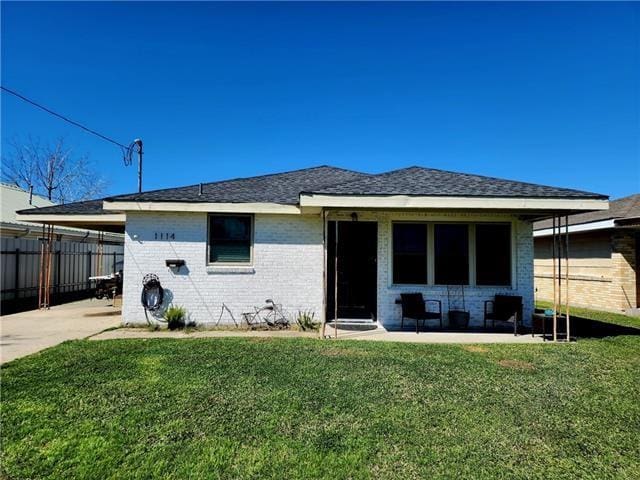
column 87, row 215
column 107, row 222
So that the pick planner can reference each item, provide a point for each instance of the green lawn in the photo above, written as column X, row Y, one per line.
column 606, row 317
column 302, row 408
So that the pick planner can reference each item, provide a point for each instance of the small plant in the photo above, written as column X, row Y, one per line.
column 175, row 316
column 306, row 320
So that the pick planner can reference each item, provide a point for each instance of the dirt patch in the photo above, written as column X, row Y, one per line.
column 517, row 364
column 111, row 313
column 475, row 349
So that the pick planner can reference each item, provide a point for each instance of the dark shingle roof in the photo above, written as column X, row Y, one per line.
column 283, row 188
column 89, row 207
column 620, row 209
column 421, row 181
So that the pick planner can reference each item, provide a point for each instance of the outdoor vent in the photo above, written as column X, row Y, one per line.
column 175, row 263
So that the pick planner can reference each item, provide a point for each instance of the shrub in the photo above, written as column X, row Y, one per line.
column 306, row 320
column 175, row 316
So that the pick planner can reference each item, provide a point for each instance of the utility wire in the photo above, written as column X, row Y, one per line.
column 68, row 120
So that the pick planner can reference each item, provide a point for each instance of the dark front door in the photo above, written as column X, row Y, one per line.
column 357, row 269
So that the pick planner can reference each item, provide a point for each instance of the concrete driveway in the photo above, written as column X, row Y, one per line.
column 29, row 332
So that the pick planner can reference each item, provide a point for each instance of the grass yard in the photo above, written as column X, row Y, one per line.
column 606, row 317
column 301, row 408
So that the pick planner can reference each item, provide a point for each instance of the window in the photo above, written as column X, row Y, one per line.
column 410, row 253
column 493, row 254
column 451, row 254
column 230, row 238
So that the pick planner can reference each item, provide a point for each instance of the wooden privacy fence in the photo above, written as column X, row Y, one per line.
column 72, row 263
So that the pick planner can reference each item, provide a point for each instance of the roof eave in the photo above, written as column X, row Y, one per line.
column 219, row 207
column 567, row 205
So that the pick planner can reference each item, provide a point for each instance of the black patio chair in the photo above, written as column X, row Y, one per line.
column 414, row 308
column 504, row 308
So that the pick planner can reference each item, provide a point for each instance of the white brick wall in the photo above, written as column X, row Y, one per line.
column 287, row 266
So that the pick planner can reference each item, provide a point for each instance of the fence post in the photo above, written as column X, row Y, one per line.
column 88, row 269
column 58, row 268
column 17, row 272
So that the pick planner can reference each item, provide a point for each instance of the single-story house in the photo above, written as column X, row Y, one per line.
column 246, row 240
column 604, row 264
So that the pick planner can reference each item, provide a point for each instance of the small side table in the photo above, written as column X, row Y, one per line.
column 540, row 324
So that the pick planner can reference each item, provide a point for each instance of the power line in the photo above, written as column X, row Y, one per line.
column 68, row 120
column 127, row 151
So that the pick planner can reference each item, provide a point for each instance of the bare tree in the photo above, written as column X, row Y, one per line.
column 52, row 170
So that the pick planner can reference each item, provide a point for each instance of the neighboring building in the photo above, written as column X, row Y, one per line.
column 20, row 257
column 603, row 258
column 15, row 198
column 273, row 236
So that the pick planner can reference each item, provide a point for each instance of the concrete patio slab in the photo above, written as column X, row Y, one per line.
column 25, row 333
column 383, row 335
column 374, row 335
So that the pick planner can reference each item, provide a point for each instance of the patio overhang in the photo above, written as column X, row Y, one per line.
column 536, row 207
column 106, row 222
column 475, row 203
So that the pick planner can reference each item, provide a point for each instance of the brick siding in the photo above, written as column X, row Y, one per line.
column 602, row 272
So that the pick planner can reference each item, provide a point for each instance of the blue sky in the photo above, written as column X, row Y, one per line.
column 546, row 92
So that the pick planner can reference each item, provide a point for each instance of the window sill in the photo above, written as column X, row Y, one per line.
column 230, row 270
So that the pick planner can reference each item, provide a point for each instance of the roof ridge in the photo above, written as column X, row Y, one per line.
column 235, row 179
column 487, row 177
column 345, row 182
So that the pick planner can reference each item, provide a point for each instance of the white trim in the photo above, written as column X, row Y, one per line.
column 202, row 207
column 583, row 227
column 214, row 268
column 103, row 219
column 406, row 201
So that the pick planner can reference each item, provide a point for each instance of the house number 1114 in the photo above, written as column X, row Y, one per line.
column 165, row 236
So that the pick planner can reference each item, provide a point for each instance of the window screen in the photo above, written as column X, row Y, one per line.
column 230, row 238
column 493, row 254
column 451, row 254
column 410, row 253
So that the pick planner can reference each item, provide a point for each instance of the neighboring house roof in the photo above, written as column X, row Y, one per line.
column 431, row 182
column 15, row 198
column 620, row 211
column 286, row 189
